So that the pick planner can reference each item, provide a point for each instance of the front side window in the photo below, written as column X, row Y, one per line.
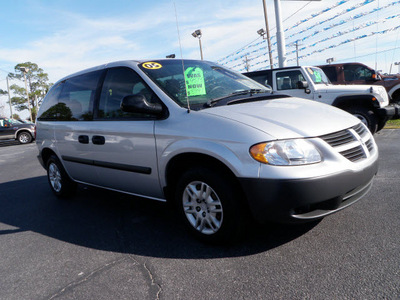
column 118, row 83
column 356, row 72
column 194, row 83
column 287, row 80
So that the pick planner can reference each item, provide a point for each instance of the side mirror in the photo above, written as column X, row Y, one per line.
column 376, row 77
column 138, row 104
column 302, row 84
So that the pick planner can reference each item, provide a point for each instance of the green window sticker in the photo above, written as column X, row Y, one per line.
column 195, row 84
column 318, row 77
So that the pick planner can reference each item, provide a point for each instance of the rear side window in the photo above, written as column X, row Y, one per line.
column 49, row 109
column 77, row 97
column 331, row 73
column 264, row 79
column 72, row 99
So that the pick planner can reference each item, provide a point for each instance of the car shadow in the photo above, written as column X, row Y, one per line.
column 6, row 143
column 110, row 221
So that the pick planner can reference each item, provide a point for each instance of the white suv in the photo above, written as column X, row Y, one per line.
column 216, row 143
column 368, row 103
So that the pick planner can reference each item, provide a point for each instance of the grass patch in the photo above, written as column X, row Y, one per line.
column 393, row 124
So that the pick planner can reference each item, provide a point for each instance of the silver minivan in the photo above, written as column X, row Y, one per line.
column 217, row 144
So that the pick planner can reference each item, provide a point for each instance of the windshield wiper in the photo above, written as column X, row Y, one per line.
column 249, row 92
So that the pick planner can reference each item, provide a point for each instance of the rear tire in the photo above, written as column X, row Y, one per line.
column 210, row 206
column 366, row 116
column 60, row 183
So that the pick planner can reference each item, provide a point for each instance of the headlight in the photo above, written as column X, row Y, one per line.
column 286, row 153
column 380, row 93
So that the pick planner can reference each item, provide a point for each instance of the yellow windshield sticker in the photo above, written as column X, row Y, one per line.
column 195, row 84
column 152, row 65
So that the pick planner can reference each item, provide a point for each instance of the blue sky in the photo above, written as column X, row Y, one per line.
column 63, row 37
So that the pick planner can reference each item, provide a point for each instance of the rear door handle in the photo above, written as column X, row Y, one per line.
column 98, row 140
column 83, row 139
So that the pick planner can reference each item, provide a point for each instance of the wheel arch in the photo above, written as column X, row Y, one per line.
column 184, row 161
column 22, row 130
column 395, row 93
column 46, row 153
column 347, row 102
column 394, row 90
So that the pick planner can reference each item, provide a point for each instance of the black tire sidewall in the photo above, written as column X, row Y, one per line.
column 233, row 220
column 368, row 115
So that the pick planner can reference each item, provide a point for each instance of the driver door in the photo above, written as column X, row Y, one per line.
column 123, row 144
column 286, row 83
column 6, row 130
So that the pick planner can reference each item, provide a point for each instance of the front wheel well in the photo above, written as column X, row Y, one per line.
column 348, row 102
column 180, row 163
column 396, row 96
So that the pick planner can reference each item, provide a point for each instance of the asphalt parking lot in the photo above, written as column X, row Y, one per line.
column 106, row 245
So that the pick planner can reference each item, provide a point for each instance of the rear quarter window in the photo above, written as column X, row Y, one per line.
column 72, row 99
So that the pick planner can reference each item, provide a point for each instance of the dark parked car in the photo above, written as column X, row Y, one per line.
column 14, row 129
column 357, row 73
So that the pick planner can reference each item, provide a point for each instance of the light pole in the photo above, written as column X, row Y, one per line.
column 9, row 98
column 262, row 33
column 197, row 34
column 280, row 37
column 26, row 70
column 297, row 52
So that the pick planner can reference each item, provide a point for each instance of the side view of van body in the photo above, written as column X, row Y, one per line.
column 217, row 144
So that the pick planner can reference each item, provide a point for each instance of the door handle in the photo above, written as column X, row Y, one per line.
column 83, row 139
column 98, row 140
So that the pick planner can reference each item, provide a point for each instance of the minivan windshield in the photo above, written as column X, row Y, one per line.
column 317, row 75
column 198, row 82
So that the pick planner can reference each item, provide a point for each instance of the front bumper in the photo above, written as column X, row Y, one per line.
column 396, row 111
column 387, row 111
column 292, row 201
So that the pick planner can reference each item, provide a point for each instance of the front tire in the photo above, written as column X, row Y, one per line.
column 366, row 116
column 24, row 137
column 210, row 206
column 60, row 183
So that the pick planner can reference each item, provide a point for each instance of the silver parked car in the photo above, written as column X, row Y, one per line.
column 216, row 143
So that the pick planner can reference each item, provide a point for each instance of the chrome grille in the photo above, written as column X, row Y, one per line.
column 369, row 145
column 360, row 129
column 354, row 154
column 355, row 143
column 338, row 138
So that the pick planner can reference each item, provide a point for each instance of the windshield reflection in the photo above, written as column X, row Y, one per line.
column 197, row 82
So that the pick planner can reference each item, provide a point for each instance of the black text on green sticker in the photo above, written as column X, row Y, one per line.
column 195, row 84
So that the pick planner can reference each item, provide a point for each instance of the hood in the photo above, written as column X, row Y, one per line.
column 288, row 117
